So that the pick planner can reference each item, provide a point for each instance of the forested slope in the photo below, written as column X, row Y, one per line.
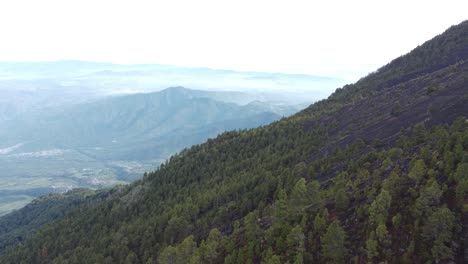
column 377, row 172
column 18, row 225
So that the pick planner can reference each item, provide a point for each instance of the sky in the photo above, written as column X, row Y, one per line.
column 344, row 39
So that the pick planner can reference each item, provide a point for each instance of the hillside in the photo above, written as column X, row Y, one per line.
column 376, row 172
column 18, row 225
column 112, row 123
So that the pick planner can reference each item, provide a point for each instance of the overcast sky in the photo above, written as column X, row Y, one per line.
column 335, row 38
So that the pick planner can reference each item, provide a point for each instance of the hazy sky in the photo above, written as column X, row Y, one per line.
column 337, row 38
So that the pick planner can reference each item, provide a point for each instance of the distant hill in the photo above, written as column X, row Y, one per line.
column 376, row 173
column 115, row 139
column 33, row 86
column 106, row 128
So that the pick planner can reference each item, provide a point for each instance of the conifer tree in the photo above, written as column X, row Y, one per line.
column 333, row 243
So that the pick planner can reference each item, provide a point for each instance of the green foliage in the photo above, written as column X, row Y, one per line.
column 320, row 221
column 334, row 243
column 461, row 174
column 168, row 256
column 396, row 109
column 438, row 231
column 417, row 171
column 273, row 260
column 19, row 225
column 372, row 247
column 281, row 208
column 185, row 250
column 295, row 240
column 341, row 200
column 428, row 199
column 384, row 239
column 177, row 228
column 305, row 198
column 378, row 210
column 294, row 228
column 462, row 191
column 396, row 220
column 210, row 249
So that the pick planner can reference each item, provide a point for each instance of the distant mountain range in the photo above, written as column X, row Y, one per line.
column 114, row 139
column 165, row 121
column 31, row 86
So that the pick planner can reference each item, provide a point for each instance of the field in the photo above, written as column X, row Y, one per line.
column 31, row 174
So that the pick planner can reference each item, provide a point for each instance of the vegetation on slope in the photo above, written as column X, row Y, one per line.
column 19, row 225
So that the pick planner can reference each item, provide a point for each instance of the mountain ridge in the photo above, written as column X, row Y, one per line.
column 114, row 140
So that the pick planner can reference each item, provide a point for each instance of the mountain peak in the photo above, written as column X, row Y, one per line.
column 176, row 89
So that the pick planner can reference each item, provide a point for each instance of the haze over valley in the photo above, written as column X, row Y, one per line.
column 72, row 124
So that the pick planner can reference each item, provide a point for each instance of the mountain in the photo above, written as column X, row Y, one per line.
column 34, row 86
column 115, row 139
column 115, row 122
column 375, row 173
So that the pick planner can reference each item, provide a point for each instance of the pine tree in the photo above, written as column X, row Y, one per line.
column 295, row 241
column 168, row 255
column 429, row 198
column 185, row 250
column 378, row 211
column 439, row 229
column 417, row 171
column 305, row 197
column 371, row 247
column 341, row 199
column 281, row 208
column 333, row 243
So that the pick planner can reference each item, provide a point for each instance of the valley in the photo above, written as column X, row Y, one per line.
column 114, row 140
